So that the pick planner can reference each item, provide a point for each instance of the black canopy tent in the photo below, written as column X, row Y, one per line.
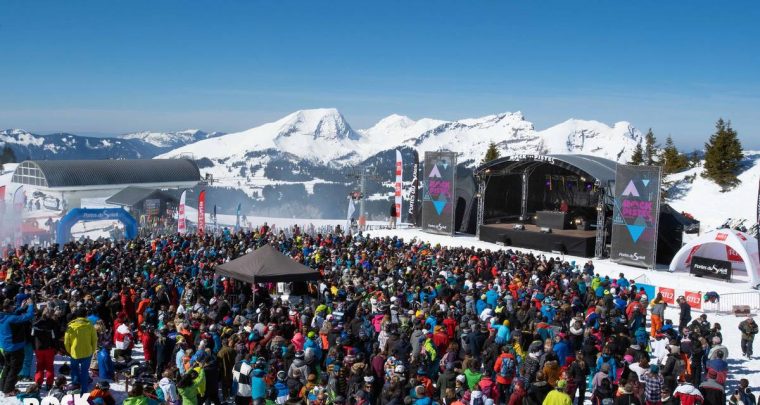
column 267, row 265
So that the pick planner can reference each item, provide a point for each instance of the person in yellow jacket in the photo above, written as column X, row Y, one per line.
column 80, row 342
column 192, row 385
column 558, row 395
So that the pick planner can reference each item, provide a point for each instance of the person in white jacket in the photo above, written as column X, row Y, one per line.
column 169, row 389
column 659, row 347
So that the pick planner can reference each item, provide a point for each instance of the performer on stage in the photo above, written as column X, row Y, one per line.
column 563, row 207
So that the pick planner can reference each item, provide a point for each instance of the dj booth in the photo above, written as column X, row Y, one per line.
column 551, row 219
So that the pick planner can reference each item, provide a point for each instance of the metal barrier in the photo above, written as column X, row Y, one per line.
column 643, row 279
column 728, row 301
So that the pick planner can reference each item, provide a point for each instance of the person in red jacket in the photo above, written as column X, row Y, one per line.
column 148, row 339
column 127, row 303
column 518, row 394
column 505, row 368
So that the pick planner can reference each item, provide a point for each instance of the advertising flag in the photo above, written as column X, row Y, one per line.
column 398, row 183
column 237, row 218
column 414, row 194
column 181, row 216
column 215, row 218
column 202, row 212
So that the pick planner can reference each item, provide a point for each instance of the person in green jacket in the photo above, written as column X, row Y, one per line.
column 136, row 396
column 191, row 385
column 80, row 342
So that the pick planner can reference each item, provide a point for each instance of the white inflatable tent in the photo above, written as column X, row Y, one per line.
column 739, row 248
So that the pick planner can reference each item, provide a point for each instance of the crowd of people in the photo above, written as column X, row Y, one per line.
column 390, row 322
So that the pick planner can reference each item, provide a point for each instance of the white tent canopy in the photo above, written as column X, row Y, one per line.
column 736, row 247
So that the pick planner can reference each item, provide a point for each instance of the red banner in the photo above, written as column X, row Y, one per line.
column 694, row 299
column 202, row 212
column 732, row 255
column 668, row 295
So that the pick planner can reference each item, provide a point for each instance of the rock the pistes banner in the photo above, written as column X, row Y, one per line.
column 438, row 192
column 636, row 215
column 413, row 216
column 398, row 183
column 202, row 212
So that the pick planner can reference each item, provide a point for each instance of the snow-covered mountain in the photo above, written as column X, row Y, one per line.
column 142, row 145
column 171, row 139
column 323, row 136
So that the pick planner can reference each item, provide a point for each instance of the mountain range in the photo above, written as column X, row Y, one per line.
column 304, row 163
column 139, row 145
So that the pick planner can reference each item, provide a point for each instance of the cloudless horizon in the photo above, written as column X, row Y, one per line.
column 109, row 68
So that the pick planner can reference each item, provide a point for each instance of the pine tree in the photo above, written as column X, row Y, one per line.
column 638, row 155
column 491, row 154
column 7, row 156
column 672, row 161
column 650, row 149
column 723, row 154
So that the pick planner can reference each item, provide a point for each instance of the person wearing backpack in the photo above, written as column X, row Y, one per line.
column 505, row 367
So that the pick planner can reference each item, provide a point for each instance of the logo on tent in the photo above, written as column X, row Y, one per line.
column 435, row 172
column 630, row 190
column 439, row 205
column 636, row 229
column 721, row 236
column 445, row 164
column 646, row 182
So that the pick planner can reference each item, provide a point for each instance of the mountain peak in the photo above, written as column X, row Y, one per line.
column 324, row 123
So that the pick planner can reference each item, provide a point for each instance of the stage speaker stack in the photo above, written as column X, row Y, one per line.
column 559, row 247
column 507, row 241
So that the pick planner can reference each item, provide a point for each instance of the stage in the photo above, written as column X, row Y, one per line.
column 575, row 242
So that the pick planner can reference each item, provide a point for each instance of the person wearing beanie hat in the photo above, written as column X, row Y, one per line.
column 653, row 384
column 712, row 391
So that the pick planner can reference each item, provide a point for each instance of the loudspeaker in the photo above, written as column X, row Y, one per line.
column 507, row 241
column 546, row 230
column 519, row 227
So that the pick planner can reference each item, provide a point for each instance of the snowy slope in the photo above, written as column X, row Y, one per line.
column 702, row 198
column 171, row 139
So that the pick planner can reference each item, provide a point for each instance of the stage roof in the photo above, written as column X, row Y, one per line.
column 603, row 170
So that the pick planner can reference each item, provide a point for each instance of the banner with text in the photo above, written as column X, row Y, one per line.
column 438, row 192
column 712, row 268
column 635, row 215
column 202, row 212
column 694, row 299
column 413, row 216
column 397, row 185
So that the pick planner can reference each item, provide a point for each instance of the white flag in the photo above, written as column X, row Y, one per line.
column 351, row 209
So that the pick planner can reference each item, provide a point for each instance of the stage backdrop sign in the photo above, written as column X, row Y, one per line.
column 438, row 192
column 704, row 267
column 635, row 215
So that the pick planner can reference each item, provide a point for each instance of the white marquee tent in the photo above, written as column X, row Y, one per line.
column 736, row 247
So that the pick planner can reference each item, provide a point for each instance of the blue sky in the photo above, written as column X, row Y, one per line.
column 111, row 67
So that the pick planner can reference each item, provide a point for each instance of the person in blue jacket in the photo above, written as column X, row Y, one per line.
column 12, row 346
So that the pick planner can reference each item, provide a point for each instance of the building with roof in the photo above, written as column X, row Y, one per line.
column 70, row 181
